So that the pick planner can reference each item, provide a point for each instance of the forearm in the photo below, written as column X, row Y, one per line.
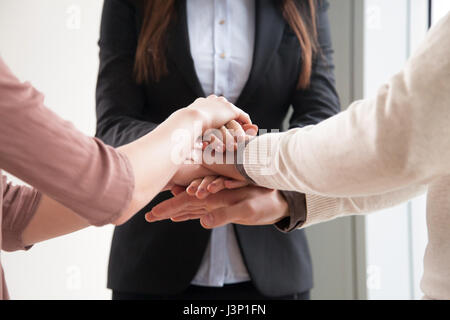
column 154, row 159
column 321, row 209
column 51, row 220
column 396, row 139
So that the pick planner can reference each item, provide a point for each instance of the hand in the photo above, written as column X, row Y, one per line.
column 203, row 187
column 233, row 131
column 229, row 136
column 186, row 174
column 217, row 111
column 246, row 206
column 226, row 166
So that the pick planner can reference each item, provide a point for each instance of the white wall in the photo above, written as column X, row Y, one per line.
column 53, row 43
column 396, row 237
column 337, row 247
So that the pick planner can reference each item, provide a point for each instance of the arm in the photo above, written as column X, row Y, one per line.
column 234, row 207
column 396, row 139
column 120, row 101
column 51, row 220
column 321, row 209
column 29, row 217
column 96, row 181
column 48, row 153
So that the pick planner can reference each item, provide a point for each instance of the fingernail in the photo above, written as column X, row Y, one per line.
column 208, row 221
column 202, row 194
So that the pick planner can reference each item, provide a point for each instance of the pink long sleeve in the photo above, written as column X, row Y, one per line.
column 80, row 172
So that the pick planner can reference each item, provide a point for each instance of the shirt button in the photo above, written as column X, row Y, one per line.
column 222, row 55
column 222, row 22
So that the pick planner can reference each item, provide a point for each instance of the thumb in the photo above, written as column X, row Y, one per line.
column 250, row 129
column 222, row 216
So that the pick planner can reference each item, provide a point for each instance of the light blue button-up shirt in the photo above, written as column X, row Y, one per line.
column 222, row 36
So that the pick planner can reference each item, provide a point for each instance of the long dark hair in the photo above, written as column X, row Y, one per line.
column 150, row 63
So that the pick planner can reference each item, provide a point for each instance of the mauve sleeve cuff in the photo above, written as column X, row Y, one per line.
column 123, row 189
column 12, row 235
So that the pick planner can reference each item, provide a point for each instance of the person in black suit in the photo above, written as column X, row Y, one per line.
column 291, row 66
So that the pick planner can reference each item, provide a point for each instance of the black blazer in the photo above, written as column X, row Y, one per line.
column 163, row 257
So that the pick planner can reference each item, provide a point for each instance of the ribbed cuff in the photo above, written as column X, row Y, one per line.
column 320, row 209
column 260, row 161
column 297, row 212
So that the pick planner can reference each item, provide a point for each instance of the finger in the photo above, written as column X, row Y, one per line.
column 229, row 141
column 176, row 206
column 189, row 217
column 217, row 143
column 238, row 213
column 217, row 185
column 192, row 188
column 151, row 217
column 235, row 129
column 214, row 138
column 250, row 129
column 235, row 184
column 242, row 116
column 202, row 191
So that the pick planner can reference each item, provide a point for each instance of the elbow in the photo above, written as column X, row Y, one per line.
column 119, row 221
column 401, row 161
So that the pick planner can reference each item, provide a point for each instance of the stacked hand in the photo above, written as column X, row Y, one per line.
column 247, row 206
column 213, row 190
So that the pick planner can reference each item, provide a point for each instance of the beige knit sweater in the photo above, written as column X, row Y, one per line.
column 376, row 154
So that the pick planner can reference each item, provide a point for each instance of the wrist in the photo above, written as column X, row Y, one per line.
column 194, row 118
column 185, row 127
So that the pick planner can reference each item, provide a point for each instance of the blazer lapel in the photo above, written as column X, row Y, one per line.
column 179, row 50
column 268, row 34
